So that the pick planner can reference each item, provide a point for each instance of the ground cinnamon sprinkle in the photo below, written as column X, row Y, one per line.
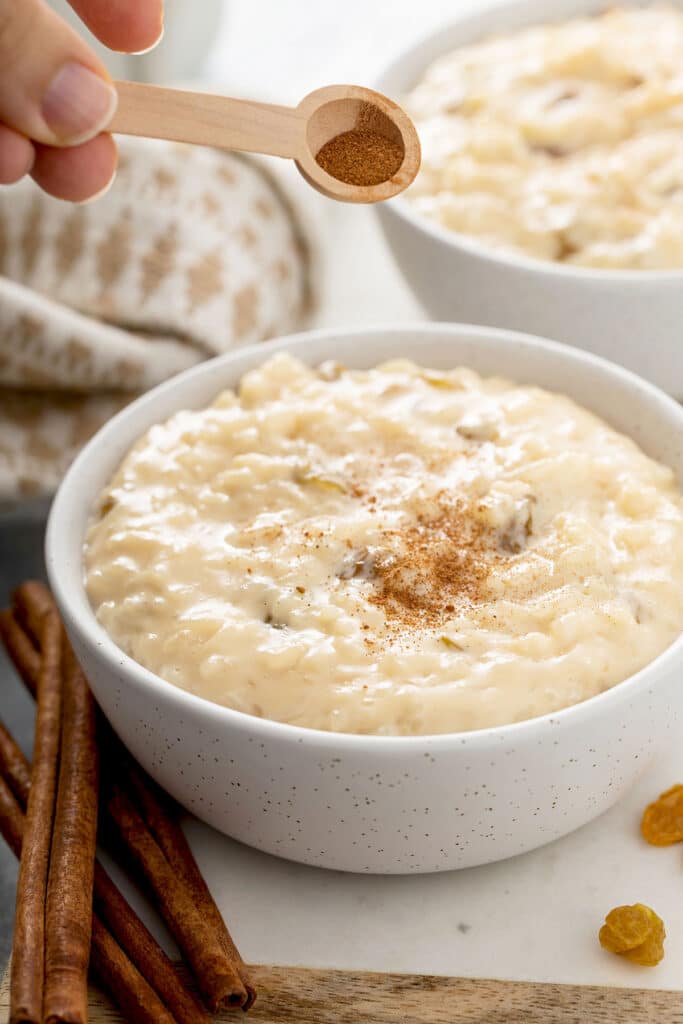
column 435, row 564
column 364, row 155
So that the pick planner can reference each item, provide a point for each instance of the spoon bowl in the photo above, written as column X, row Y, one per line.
column 297, row 133
column 335, row 109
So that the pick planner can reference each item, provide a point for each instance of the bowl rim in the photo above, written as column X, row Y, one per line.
column 401, row 207
column 93, row 635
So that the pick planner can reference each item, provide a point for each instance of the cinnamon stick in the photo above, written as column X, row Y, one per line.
column 32, row 601
column 136, row 999
column 20, row 648
column 164, row 826
column 14, row 766
column 111, row 906
column 132, row 994
column 27, row 975
column 11, row 818
column 72, row 858
column 145, row 952
column 216, row 974
column 222, row 977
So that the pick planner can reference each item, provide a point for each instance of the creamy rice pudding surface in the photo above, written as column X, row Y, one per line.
column 393, row 551
column 562, row 141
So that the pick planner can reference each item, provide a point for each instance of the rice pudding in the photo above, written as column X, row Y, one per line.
column 562, row 141
column 396, row 551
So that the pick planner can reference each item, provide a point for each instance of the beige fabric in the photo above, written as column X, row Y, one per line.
column 190, row 254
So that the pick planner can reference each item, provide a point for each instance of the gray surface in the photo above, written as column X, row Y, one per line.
column 21, row 557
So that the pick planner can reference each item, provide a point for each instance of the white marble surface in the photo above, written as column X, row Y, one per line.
column 533, row 917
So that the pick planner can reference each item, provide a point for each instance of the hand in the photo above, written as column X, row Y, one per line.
column 56, row 95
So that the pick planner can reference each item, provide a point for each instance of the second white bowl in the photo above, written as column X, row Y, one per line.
column 631, row 317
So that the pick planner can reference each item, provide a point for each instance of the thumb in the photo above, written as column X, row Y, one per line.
column 52, row 86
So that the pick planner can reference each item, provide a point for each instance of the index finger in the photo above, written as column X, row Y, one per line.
column 129, row 26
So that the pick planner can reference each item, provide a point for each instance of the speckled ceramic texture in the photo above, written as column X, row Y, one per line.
column 632, row 317
column 377, row 804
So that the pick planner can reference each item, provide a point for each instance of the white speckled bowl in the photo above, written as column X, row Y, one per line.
column 367, row 803
column 632, row 317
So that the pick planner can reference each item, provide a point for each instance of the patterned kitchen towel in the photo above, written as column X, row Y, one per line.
column 192, row 253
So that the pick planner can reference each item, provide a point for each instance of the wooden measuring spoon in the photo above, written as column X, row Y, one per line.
column 297, row 133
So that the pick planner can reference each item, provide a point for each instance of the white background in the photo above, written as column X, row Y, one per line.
column 535, row 917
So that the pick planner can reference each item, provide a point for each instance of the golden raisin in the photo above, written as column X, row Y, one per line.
column 662, row 822
column 626, row 927
column 651, row 951
column 634, row 932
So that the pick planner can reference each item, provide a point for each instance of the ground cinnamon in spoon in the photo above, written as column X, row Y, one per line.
column 363, row 155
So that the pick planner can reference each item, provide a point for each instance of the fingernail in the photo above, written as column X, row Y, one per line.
column 30, row 160
column 78, row 104
column 153, row 46
column 100, row 194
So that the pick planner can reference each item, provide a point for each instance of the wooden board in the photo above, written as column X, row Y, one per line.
column 296, row 995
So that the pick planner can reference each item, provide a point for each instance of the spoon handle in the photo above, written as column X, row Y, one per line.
column 206, row 120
